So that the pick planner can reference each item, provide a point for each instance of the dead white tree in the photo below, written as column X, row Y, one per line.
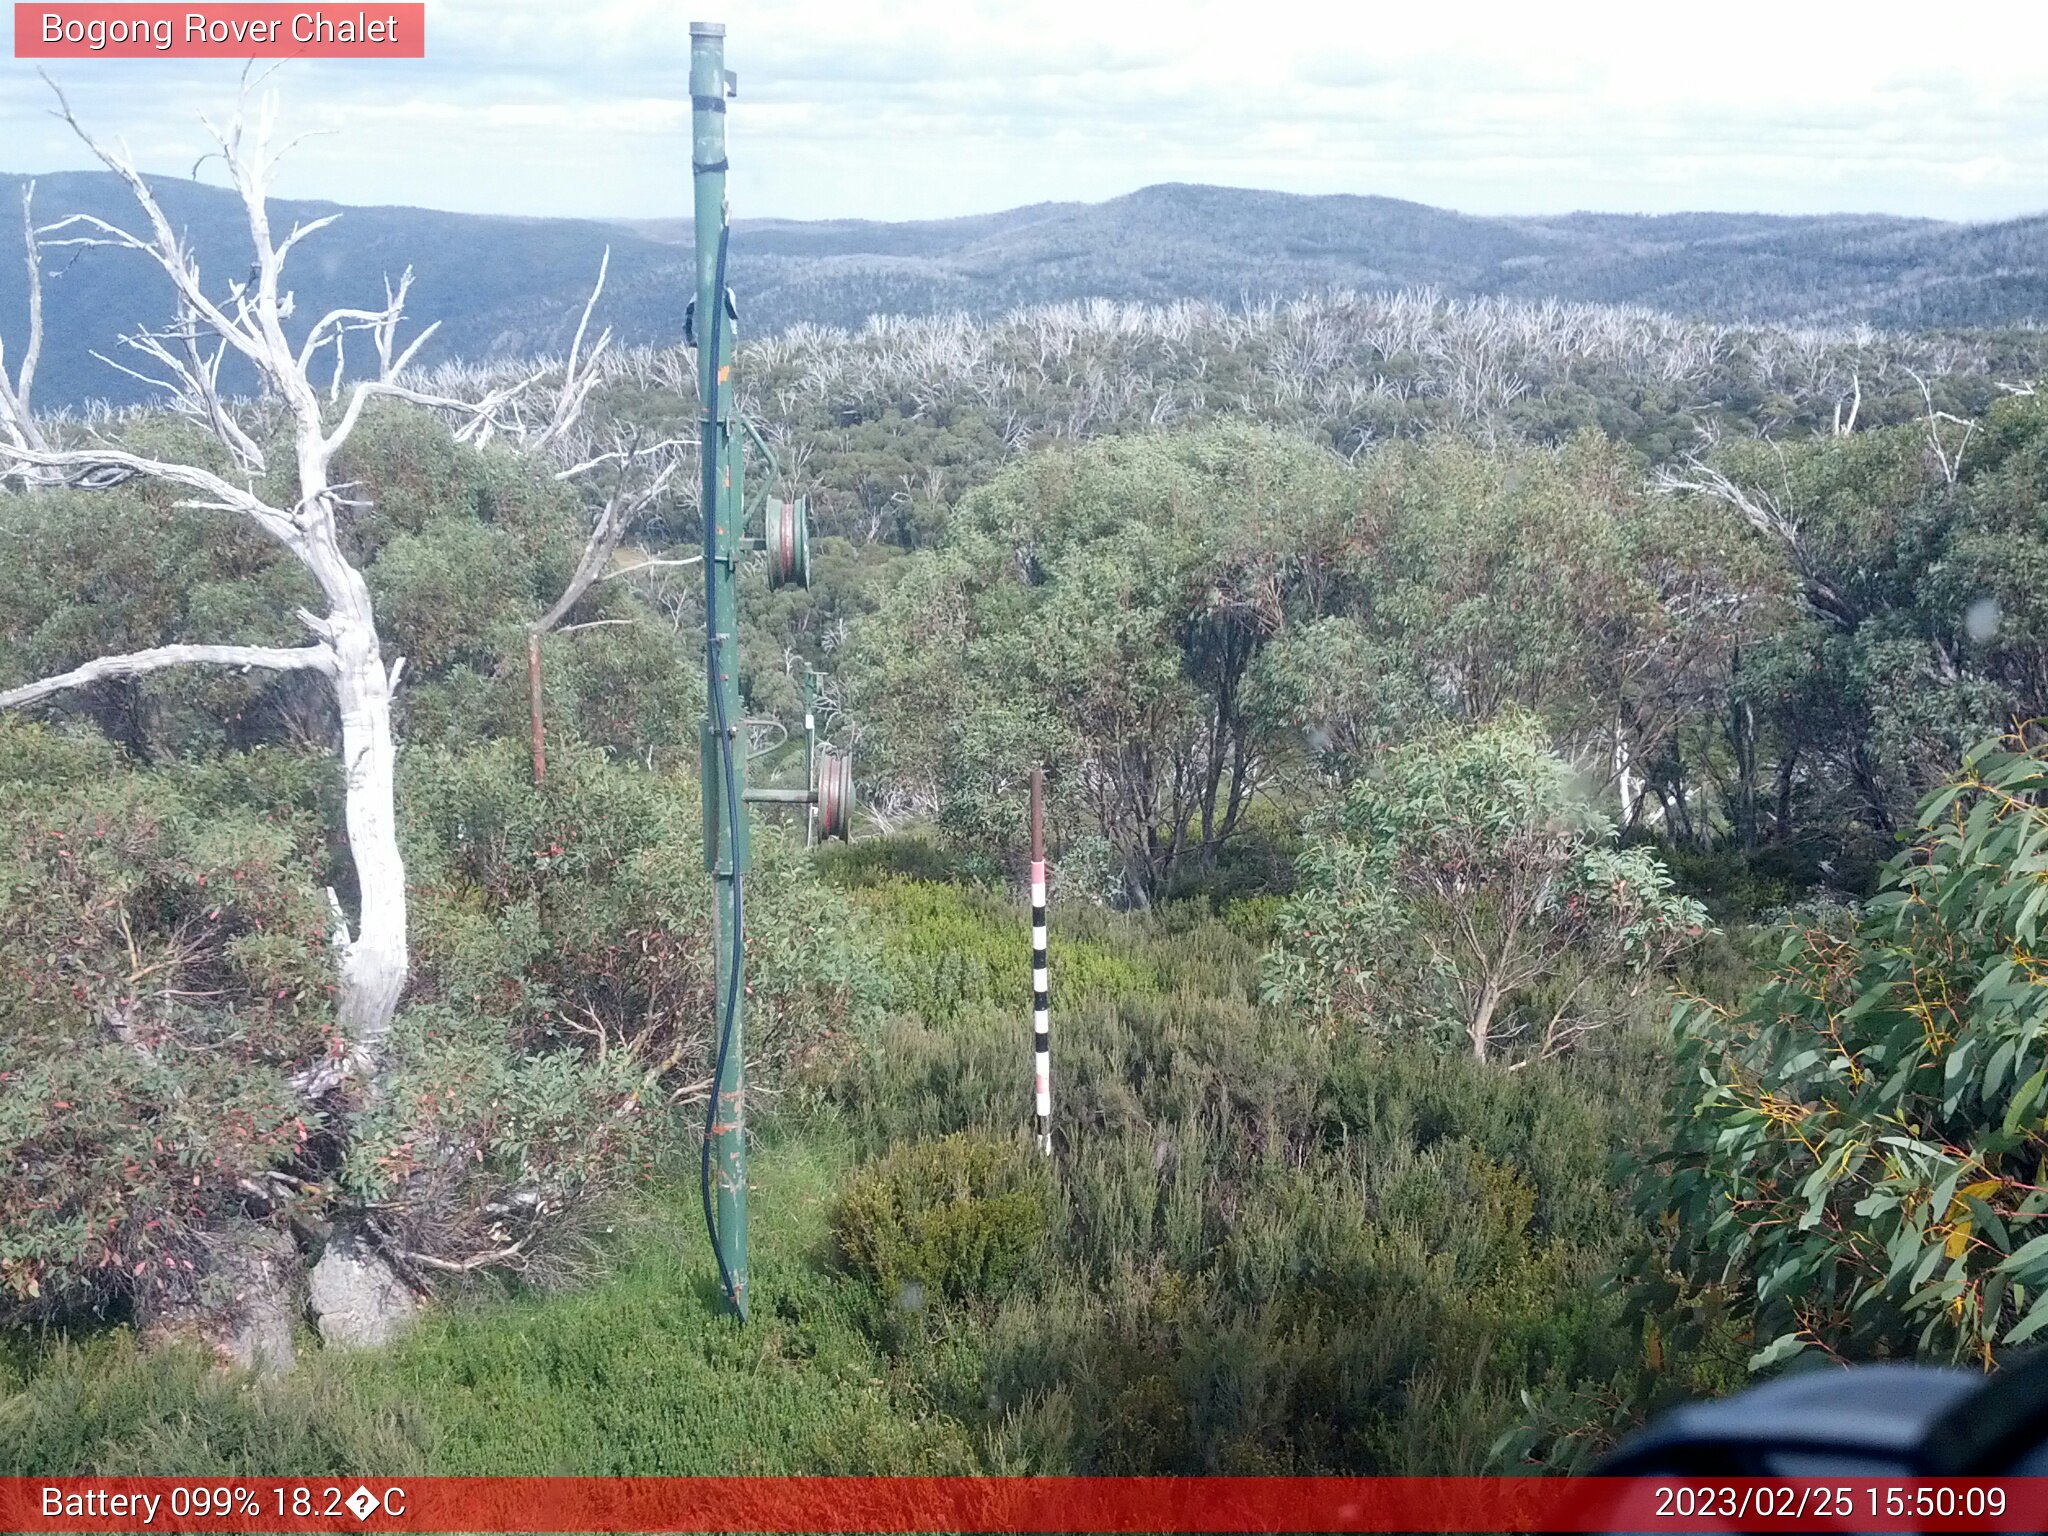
column 16, row 420
column 581, row 372
column 642, row 477
column 249, row 324
column 1772, row 514
column 1949, row 458
column 1845, row 426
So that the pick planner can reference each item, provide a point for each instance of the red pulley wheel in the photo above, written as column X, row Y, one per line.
column 787, row 538
column 835, row 795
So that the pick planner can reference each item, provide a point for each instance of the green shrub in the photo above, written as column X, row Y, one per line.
column 419, row 479
column 905, row 856
column 578, row 915
column 1470, row 888
column 963, row 1217
column 451, row 594
column 947, row 949
column 1255, row 919
column 164, row 975
column 1280, row 1254
column 477, row 1148
column 1271, row 1248
column 166, row 971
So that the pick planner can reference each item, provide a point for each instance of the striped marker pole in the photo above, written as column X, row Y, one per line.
column 1041, row 1005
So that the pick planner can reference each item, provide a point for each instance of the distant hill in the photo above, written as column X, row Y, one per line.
column 498, row 286
column 504, row 286
column 1179, row 241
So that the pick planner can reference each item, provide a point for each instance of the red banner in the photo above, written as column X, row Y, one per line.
column 1021, row 1504
column 372, row 30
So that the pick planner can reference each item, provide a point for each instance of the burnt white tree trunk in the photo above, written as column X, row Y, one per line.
column 16, row 421
column 374, row 960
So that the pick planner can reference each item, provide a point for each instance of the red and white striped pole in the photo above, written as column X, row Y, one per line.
column 1041, row 1005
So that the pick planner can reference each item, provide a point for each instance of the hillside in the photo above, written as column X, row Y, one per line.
column 505, row 287
column 1168, row 242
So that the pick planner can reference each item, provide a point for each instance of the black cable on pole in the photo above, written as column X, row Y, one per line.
column 732, row 796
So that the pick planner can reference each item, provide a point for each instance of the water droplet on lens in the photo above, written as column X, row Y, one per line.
column 1981, row 619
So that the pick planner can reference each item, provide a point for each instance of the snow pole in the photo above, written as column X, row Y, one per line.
column 1041, row 1004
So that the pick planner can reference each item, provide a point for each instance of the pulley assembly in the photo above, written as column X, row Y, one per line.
column 786, row 537
column 827, row 795
column 835, row 794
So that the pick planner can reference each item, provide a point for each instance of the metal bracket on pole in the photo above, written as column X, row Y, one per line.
column 811, row 753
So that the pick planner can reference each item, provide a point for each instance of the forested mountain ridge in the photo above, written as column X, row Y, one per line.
column 512, row 287
column 498, row 286
column 1181, row 241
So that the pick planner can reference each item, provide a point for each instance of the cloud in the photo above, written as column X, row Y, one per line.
column 929, row 108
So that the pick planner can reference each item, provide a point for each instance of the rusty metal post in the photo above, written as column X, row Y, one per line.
column 540, row 736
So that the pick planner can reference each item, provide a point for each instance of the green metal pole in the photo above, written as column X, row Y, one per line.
column 725, row 847
column 811, row 756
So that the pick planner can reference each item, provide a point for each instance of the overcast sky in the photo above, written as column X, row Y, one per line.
column 928, row 108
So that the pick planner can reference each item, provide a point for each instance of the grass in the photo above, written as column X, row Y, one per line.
column 637, row 1374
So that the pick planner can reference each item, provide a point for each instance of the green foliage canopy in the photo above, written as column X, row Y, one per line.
column 1100, row 611
column 1861, row 1145
column 1469, row 886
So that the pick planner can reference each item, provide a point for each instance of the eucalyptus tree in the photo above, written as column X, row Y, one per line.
column 1471, row 582
column 1910, row 559
column 1470, row 889
column 1853, row 1151
column 1102, row 610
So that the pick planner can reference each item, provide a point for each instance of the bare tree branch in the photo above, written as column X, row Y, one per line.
column 480, row 415
column 576, row 386
column 166, row 249
column 648, row 565
column 193, row 385
column 85, row 464
column 1769, row 513
column 1951, row 461
column 629, row 500
column 301, row 658
column 1844, row 428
